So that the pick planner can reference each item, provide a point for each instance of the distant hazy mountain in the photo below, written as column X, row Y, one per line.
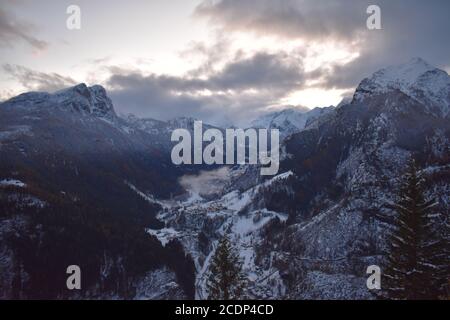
column 289, row 121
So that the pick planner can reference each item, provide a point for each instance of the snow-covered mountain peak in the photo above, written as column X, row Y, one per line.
column 416, row 78
column 79, row 89
column 404, row 74
column 92, row 100
column 81, row 99
column 279, row 119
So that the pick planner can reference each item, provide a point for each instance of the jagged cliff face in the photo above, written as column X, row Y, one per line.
column 92, row 100
column 309, row 232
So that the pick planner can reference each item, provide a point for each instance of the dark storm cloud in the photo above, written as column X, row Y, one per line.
column 13, row 30
column 260, row 71
column 411, row 28
column 145, row 98
column 244, row 86
column 211, row 54
column 37, row 81
column 287, row 18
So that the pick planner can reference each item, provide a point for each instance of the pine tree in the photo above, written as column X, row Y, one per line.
column 226, row 280
column 417, row 260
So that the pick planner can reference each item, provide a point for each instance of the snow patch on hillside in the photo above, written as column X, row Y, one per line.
column 12, row 183
column 164, row 235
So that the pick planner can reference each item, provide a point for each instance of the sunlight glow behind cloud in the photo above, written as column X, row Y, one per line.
column 315, row 97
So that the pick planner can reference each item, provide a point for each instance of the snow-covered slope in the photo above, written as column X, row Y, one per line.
column 238, row 214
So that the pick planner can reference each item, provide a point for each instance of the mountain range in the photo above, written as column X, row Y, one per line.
column 80, row 183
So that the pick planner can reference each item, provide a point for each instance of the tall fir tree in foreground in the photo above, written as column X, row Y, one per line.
column 417, row 260
column 226, row 279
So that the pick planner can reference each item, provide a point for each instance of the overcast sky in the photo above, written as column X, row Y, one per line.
column 221, row 61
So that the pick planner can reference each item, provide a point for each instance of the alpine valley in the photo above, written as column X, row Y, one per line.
column 80, row 184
